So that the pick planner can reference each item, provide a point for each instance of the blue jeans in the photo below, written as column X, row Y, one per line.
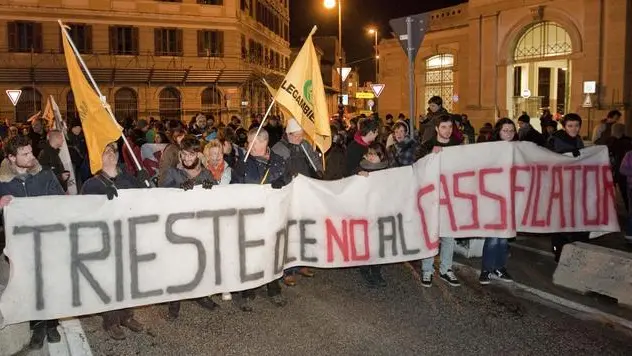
column 446, row 253
column 495, row 253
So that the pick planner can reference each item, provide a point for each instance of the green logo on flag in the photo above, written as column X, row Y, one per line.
column 307, row 92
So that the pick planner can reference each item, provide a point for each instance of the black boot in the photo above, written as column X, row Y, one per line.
column 206, row 303
column 365, row 271
column 37, row 337
column 174, row 310
column 53, row 335
column 376, row 273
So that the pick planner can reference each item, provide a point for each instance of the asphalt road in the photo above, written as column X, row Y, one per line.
column 335, row 314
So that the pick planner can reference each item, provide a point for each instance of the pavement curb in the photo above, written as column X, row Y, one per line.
column 590, row 312
column 73, row 342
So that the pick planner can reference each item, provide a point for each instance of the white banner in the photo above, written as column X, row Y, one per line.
column 84, row 255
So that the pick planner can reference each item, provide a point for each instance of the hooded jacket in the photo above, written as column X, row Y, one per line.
column 36, row 182
column 561, row 142
column 355, row 152
column 296, row 159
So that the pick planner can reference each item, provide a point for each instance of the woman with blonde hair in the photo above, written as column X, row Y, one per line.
column 214, row 162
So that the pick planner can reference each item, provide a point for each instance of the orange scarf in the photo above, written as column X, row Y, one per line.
column 217, row 171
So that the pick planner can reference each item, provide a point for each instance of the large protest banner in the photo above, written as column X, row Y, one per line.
column 84, row 255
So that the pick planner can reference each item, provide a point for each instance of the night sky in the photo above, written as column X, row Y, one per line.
column 357, row 17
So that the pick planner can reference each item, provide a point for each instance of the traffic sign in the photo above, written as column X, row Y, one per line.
column 371, row 103
column 587, row 101
column 526, row 93
column 345, row 72
column 455, row 98
column 420, row 23
column 590, row 87
column 14, row 96
column 377, row 89
column 364, row 95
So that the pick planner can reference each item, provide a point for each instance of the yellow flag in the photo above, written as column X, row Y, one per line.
column 302, row 94
column 48, row 115
column 98, row 127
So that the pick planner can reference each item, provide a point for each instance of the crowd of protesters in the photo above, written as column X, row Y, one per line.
column 207, row 152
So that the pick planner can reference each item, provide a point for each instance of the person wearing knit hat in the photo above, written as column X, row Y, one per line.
column 300, row 158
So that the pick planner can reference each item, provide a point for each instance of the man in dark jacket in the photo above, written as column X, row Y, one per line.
column 367, row 133
column 299, row 158
column 443, row 138
column 275, row 130
column 49, row 157
column 618, row 145
column 567, row 141
column 528, row 133
column 37, row 135
column 186, row 175
column 261, row 167
column 107, row 182
column 22, row 176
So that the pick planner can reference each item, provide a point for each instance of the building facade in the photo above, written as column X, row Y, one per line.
column 499, row 58
column 168, row 59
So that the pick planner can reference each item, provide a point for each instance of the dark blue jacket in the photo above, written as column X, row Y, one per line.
column 253, row 171
column 97, row 185
column 560, row 142
column 35, row 183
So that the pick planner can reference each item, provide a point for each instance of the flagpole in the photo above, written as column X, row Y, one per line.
column 106, row 106
column 259, row 128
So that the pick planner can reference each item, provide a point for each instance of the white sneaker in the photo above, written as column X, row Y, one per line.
column 227, row 296
column 426, row 279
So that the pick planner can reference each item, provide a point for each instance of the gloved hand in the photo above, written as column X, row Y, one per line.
column 576, row 153
column 208, row 184
column 111, row 192
column 142, row 175
column 188, row 185
column 277, row 184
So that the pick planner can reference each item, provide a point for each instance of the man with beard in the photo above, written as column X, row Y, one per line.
column 187, row 174
column 443, row 138
column 299, row 158
column 107, row 182
column 261, row 167
column 199, row 126
column 22, row 176
column 50, row 160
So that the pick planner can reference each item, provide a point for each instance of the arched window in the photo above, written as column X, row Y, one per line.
column 541, row 40
column 440, row 79
column 71, row 107
column 211, row 101
column 170, row 106
column 29, row 104
column 125, row 104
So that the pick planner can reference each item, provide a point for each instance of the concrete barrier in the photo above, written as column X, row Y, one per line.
column 590, row 268
column 13, row 338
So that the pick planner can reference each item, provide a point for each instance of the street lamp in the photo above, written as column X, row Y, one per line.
column 374, row 32
column 330, row 4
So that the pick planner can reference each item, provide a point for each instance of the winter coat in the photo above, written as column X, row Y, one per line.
column 50, row 160
column 97, row 185
column 403, row 153
column 169, row 159
column 176, row 176
column 430, row 122
column 602, row 133
column 37, row 141
column 355, row 153
column 626, row 168
column 427, row 147
column 296, row 161
column 336, row 162
column 226, row 174
column 275, row 134
column 531, row 135
column 262, row 170
column 560, row 142
column 368, row 166
column 35, row 183
column 618, row 147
